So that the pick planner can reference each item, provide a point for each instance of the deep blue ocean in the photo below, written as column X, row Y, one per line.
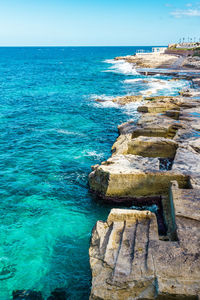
column 52, row 130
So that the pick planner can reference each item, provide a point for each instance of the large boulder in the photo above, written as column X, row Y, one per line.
column 132, row 176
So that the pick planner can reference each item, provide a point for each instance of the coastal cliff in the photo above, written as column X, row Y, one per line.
column 139, row 254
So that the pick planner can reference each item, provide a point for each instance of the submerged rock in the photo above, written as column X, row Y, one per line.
column 27, row 295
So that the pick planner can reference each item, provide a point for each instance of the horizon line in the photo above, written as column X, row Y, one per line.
column 53, row 46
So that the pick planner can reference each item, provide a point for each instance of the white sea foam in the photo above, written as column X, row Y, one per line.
column 154, row 85
column 106, row 101
column 102, row 97
column 130, row 81
column 67, row 132
column 92, row 153
column 121, row 67
column 130, row 109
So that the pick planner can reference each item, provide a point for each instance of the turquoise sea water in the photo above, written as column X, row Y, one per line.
column 52, row 131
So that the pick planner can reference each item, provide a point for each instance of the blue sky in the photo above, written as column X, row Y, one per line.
column 103, row 22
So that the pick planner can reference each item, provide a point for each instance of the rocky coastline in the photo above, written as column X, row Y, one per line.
column 145, row 254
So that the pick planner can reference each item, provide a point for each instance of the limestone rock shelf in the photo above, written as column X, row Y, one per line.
column 133, row 176
column 156, row 161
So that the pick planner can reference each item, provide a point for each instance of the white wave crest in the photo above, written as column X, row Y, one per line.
column 121, row 67
column 130, row 81
column 102, row 97
column 157, row 86
column 92, row 153
column 105, row 101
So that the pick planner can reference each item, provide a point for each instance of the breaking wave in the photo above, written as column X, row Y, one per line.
column 120, row 67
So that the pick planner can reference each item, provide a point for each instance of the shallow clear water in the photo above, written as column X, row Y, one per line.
column 52, row 131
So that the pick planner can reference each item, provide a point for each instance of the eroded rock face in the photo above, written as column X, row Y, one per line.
column 132, row 176
column 157, row 107
column 152, row 147
column 128, row 260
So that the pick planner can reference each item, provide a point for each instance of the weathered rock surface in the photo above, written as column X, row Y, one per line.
column 157, row 107
column 121, row 266
column 160, row 104
column 187, row 161
column 128, row 260
column 151, row 60
column 132, row 176
column 128, row 99
column 152, row 147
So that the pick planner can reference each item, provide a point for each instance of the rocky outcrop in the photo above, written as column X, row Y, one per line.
column 156, row 159
column 132, row 176
column 121, row 266
column 127, row 99
column 129, row 261
column 162, row 104
column 151, row 60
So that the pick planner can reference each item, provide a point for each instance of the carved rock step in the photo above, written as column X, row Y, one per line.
column 133, row 176
column 120, row 255
column 128, row 260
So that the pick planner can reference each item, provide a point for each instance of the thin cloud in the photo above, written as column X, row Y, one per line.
column 186, row 12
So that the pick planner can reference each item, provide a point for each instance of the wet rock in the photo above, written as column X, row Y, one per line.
column 127, row 99
column 27, row 295
column 191, row 92
column 99, row 100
